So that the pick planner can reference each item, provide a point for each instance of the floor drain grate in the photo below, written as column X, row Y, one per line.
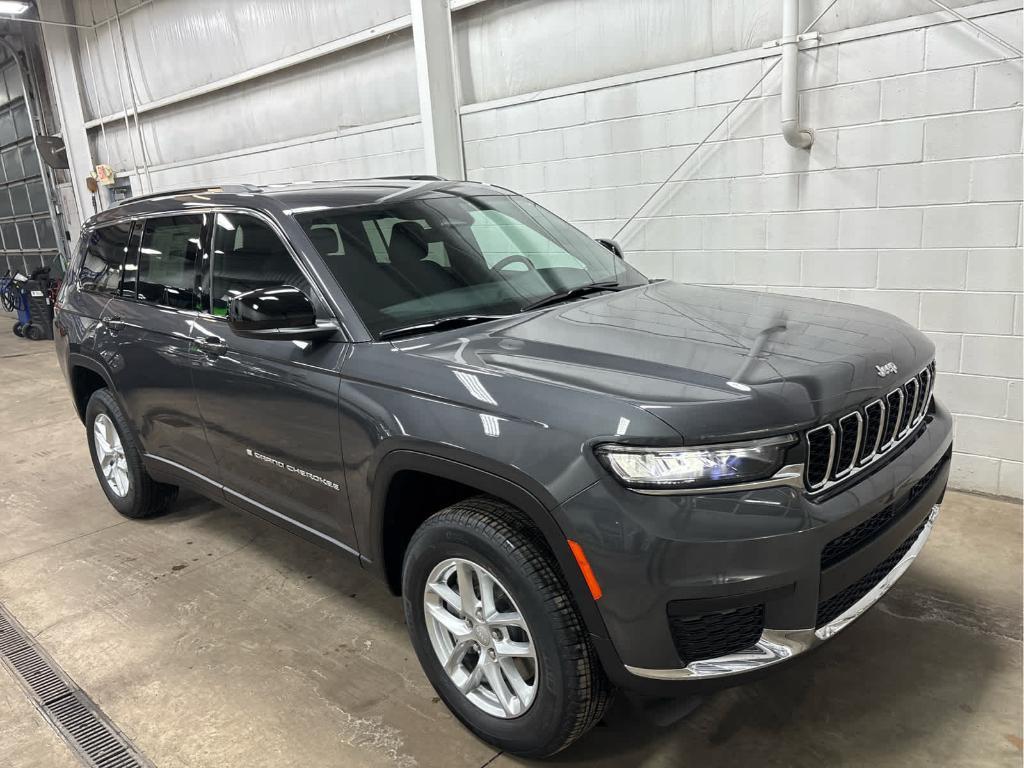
column 85, row 728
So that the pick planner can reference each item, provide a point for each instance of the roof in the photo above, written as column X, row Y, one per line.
column 294, row 195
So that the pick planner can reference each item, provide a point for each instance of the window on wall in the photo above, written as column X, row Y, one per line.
column 26, row 232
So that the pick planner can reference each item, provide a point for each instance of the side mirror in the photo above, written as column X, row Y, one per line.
column 280, row 312
column 611, row 245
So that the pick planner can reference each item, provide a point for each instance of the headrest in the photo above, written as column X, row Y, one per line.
column 408, row 243
column 324, row 240
column 256, row 237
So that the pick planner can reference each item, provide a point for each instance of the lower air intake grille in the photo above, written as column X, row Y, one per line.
column 846, row 544
column 711, row 635
column 842, row 601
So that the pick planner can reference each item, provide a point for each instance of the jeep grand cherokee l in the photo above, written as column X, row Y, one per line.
column 578, row 479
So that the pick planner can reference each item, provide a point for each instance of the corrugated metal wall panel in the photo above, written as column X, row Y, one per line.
column 510, row 47
column 175, row 46
column 371, row 84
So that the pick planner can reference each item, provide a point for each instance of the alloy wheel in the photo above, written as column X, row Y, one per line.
column 481, row 638
column 110, row 455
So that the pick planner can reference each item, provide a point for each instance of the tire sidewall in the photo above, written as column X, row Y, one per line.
column 542, row 722
column 102, row 402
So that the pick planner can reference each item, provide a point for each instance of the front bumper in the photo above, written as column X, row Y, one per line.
column 777, row 645
column 769, row 553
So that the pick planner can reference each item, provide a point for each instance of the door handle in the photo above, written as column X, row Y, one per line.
column 212, row 346
column 113, row 322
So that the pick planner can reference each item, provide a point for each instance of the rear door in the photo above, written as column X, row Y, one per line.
column 270, row 407
column 148, row 353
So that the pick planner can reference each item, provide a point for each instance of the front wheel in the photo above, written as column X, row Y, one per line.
column 497, row 632
column 18, row 329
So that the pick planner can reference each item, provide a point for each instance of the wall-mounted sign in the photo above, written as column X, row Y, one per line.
column 105, row 175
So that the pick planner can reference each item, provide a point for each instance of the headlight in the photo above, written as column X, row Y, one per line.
column 696, row 467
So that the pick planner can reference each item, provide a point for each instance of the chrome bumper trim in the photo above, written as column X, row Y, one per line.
column 778, row 645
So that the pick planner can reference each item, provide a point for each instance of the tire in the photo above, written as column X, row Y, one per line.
column 18, row 329
column 570, row 690
column 142, row 496
column 33, row 332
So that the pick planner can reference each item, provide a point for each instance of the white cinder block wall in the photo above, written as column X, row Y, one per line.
column 909, row 199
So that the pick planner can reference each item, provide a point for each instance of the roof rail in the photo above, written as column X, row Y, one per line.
column 414, row 177
column 235, row 188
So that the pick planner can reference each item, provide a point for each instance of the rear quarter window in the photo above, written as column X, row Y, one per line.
column 103, row 260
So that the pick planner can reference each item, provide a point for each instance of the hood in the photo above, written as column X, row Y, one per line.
column 713, row 363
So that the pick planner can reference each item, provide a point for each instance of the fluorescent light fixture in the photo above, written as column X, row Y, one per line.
column 9, row 6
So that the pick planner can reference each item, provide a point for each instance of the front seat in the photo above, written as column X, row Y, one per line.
column 408, row 251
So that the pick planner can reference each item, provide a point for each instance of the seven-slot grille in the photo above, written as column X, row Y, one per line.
column 836, row 451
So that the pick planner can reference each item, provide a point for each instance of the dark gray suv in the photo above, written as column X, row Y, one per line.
column 577, row 478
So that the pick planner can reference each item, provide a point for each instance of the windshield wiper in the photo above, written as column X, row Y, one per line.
column 574, row 293
column 443, row 323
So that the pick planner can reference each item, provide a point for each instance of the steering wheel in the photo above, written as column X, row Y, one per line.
column 513, row 259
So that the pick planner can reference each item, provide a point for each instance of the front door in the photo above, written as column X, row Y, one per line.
column 270, row 407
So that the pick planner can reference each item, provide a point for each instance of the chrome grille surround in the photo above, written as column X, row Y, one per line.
column 893, row 416
column 876, row 422
column 911, row 411
column 910, row 403
column 858, row 428
column 927, row 378
column 812, row 436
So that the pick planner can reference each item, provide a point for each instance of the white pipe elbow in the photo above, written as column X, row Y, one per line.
column 795, row 136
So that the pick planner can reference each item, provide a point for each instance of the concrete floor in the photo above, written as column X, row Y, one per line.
column 214, row 639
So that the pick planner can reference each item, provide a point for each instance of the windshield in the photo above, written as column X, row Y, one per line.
column 417, row 261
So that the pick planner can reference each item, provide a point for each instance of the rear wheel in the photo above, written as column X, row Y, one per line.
column 497, row 632
column 33, row 332
column 118, row 461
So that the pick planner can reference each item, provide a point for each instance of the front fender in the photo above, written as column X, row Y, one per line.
column 524, row 494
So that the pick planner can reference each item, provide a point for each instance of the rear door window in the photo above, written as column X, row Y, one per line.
column 169, row 254
column 104, row 258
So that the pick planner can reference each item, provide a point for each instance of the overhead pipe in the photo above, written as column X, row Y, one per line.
column 795, row 134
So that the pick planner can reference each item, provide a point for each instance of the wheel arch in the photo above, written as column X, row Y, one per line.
column 85, row 376
column 536, row 505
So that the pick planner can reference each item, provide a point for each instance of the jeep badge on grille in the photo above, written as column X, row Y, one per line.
column 885, row 370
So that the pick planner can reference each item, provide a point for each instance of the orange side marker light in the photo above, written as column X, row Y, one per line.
column 585, row 569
